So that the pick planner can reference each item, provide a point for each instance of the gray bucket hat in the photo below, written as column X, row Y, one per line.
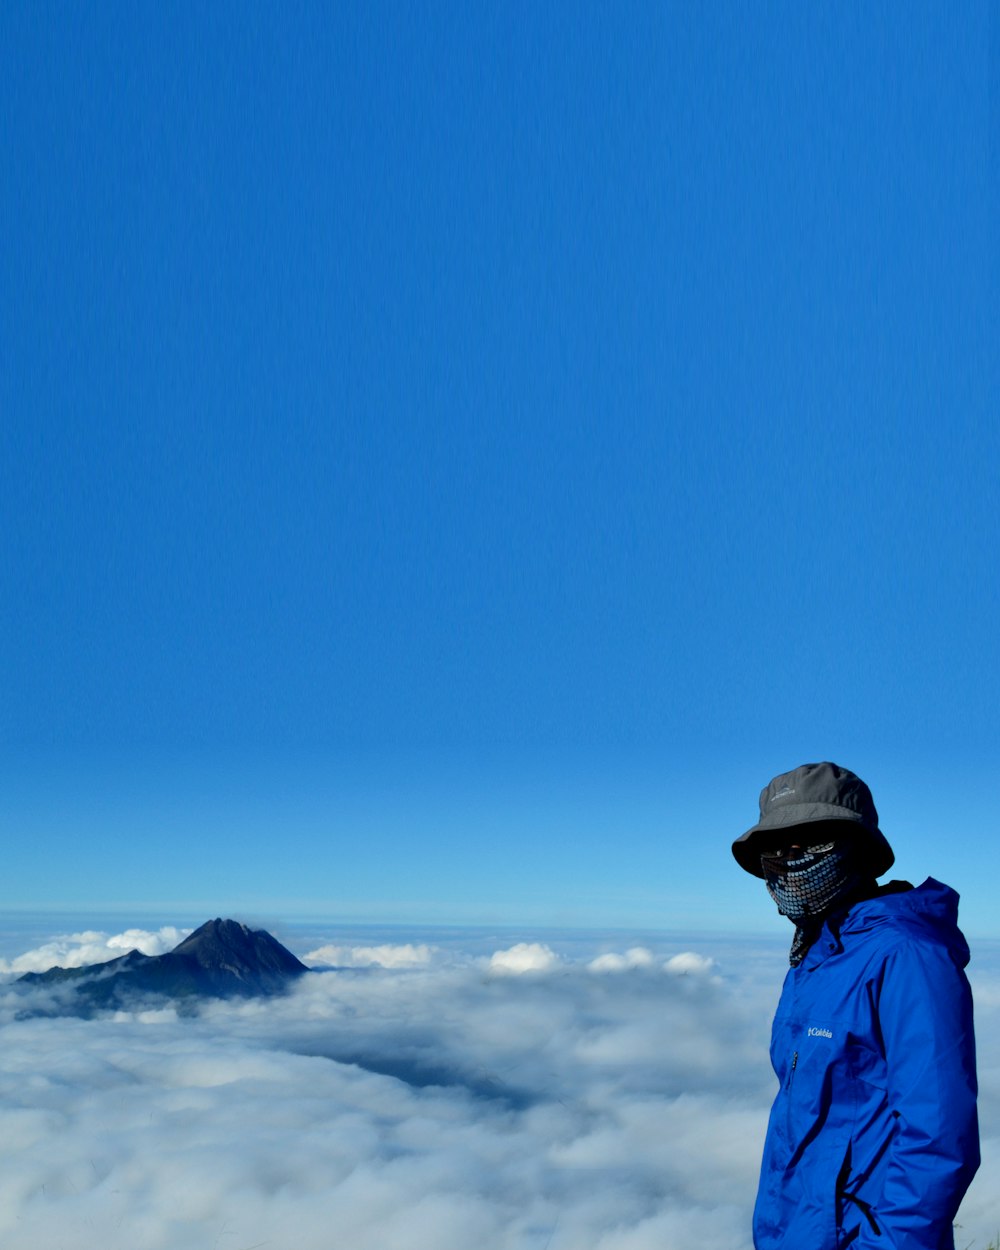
column 815, row 792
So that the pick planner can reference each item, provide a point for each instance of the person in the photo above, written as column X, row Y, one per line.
column 873, row 1138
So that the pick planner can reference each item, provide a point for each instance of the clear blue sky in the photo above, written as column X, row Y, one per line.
column 453, row 455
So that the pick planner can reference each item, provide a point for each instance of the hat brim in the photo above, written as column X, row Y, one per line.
column 747, row 848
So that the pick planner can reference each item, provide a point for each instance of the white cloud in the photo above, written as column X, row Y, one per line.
column 404, row 955
column 429, row 1107
column 634, row 957
column 73, row 950
column 689, row 964
column 524, row 957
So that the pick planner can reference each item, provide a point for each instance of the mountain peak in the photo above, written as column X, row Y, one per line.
column 234, row 946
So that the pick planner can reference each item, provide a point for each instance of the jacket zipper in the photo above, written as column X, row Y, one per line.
column 788, row 1095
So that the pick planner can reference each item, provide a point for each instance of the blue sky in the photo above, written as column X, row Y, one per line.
column 453, row 456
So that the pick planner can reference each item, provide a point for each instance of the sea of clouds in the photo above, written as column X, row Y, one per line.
column 415, row 1095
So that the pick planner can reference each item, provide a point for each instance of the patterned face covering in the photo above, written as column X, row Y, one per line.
column 807, row 883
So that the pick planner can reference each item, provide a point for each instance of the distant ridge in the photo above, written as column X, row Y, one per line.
column 221, row 959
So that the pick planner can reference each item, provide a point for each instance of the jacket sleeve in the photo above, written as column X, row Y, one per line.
column 923, row 1007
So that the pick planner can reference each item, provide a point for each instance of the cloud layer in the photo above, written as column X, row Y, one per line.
column 516, row 1100
column 73, row 950
column 402, row 955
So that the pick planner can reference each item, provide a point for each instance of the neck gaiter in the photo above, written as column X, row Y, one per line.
column 807, row 884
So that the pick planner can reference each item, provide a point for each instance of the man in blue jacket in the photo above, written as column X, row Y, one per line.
column 873, row 1137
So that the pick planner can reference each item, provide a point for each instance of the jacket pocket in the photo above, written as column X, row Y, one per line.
column 866, row 1210
column 849, row 1207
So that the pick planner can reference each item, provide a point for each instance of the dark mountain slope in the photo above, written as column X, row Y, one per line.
column 222, row 959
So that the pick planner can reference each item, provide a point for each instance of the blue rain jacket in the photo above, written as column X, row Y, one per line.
column 873, row 1137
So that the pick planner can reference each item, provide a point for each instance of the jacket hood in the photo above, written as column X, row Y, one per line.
column 930, row 908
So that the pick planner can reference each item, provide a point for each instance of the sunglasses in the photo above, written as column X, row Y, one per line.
column 781, row 855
